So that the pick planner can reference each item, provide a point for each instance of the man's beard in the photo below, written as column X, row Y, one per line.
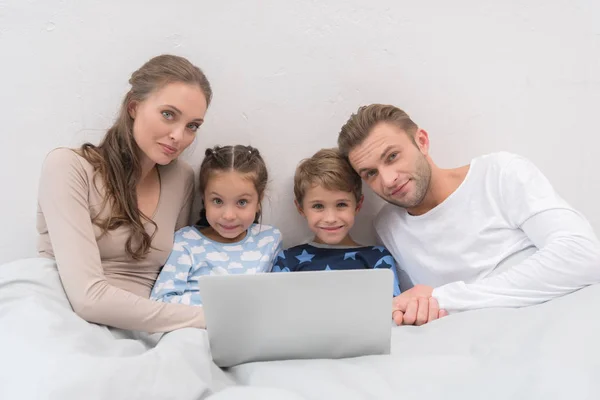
column 421, row 179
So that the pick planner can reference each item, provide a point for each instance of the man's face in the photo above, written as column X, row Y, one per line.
column 394, row 164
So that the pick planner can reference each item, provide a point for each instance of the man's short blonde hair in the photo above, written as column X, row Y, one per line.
column 329, row 169
column 360, row 124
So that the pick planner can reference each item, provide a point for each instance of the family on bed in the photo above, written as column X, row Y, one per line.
column 115, row 215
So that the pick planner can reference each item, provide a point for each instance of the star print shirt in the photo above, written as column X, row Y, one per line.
column 319, row 257
column 194, row 255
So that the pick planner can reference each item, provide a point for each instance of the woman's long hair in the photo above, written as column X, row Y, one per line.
column 116, row 159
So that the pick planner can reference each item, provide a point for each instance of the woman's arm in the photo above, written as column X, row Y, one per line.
column 63, row 199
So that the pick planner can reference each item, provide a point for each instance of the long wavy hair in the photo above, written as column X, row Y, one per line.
column 116, row 159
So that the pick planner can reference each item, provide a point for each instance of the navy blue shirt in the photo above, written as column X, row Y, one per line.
column 316, row 257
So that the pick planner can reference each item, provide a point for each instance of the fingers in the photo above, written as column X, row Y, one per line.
column 434, row 309
column 397, row 313
column 410, row 316
column 422, row 311
column 400, row 303
column 416, row 311
column 398, row 317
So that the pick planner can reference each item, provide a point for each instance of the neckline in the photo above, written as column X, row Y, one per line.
column 444, row 204
column 332, row 246
column 243, row 240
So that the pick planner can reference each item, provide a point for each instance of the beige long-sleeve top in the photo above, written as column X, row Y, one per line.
column 103, row 283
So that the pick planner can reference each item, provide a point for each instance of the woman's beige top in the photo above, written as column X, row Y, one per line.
column 103, row 283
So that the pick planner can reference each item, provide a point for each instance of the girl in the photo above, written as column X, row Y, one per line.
column 107, row 213
column 232, row 185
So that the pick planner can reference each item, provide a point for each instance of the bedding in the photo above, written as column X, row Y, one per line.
column 549, row 351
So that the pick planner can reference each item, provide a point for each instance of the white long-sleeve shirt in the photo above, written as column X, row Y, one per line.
column 503, row 238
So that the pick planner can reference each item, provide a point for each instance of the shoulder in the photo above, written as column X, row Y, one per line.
column 386, row 211
column 264, row 230
column 501, row 162
column 379, row 254
column 507, row 170
column 385, row 215
column 298, row 248
column 293, row 255
column 188, row 234
column 380, row 251
column 177, row 184
column 65, row 166
column 497, row 158
column 64, row 158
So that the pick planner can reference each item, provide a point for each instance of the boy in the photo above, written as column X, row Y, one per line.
column 329, row 194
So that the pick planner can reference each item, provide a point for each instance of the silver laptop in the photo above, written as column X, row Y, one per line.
column 297, row 315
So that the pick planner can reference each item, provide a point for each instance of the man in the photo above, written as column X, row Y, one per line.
column 493, row 233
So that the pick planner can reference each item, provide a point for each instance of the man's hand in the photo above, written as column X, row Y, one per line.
column 416, row 307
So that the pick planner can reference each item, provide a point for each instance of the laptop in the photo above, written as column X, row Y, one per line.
column 297, row 315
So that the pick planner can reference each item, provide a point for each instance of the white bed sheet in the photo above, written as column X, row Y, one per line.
column 550, row 351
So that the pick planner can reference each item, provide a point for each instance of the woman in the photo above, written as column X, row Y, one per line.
column 107, row 213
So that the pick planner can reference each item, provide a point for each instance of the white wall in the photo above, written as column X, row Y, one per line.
column 479, row 75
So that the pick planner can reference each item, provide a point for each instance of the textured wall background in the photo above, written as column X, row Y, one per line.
column 479, row 75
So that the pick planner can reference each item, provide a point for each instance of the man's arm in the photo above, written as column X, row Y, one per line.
column 567, row 256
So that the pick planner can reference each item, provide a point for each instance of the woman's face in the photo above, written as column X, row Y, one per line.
column 165, row 123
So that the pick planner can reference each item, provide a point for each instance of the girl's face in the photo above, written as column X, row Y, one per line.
column 165, row 123
column 231, row 204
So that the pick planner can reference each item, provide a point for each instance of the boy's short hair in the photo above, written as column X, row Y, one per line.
column 329, row 169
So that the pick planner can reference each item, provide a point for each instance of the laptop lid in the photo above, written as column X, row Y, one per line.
column 298, row 315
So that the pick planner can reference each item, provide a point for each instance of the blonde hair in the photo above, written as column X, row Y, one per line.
column 360, row 124
column 329, row 169
column 116, row 158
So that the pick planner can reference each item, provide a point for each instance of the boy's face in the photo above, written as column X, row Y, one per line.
column 330, row 214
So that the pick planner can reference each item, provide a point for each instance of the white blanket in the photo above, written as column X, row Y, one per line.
column 48, row 352
column 550, row 351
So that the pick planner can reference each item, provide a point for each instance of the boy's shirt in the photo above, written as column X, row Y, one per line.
column 321, row 257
